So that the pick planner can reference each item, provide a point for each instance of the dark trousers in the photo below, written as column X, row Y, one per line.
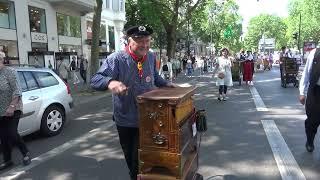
column 83, row 74
column 223, row 89
column 313, row 113
column 129, row 140
column 9, row 135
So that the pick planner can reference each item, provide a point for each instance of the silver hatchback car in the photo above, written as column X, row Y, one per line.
column 46, row 101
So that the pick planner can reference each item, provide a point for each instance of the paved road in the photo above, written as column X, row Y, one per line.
column 234, row 148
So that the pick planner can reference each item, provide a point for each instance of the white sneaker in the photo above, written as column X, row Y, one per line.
column 224, row 98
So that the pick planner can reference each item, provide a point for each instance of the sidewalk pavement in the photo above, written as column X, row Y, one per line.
column 82, row 93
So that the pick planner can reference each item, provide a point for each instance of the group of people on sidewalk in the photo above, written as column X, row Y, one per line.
column 68, row 70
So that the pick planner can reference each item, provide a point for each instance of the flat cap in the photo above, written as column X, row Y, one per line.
column 139, row 31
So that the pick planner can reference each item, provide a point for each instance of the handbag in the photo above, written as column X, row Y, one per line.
column 221, row 75
column 201, row 120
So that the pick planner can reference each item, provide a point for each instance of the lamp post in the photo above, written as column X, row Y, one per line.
column 188, row 43
column 299, row 33
column 188, row 29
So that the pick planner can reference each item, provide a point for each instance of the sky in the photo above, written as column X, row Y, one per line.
column 251, row 8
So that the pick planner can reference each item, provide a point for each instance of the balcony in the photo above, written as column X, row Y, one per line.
column 84, row 6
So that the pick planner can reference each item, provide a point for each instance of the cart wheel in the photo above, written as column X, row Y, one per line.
column 198, row 176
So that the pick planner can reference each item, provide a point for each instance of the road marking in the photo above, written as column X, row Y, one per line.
column 287, row 165
column 257, row 100
column 268, row 80
column 20, row 170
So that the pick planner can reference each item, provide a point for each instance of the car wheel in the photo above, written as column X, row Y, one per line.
column 52, row 121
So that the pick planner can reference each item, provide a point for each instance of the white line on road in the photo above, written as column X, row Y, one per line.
column 268, row 80
column 18, row 171
column 257, row 99
column 287, row 165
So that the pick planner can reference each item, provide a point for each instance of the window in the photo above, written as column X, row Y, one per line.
column 111, row 38
column 46, row 79
column 31, row 82
column 115, row 5
column 22, row 82
column 108, row 4
column 103, row 31
column 69, row 25
column 7, row 15
column 37, row 18
column 10, row 48
column 121, row 8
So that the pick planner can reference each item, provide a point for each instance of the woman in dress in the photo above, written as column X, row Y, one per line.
column 248, row 68
column 224, row 76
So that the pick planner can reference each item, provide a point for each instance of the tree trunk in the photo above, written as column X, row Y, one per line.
column 171, row 41
column 95, row 38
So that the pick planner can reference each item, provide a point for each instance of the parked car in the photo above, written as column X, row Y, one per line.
column 46, row 101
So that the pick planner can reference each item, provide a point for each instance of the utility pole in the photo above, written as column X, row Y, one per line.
column 188, row 37
column 188, row 16
column 299, row 35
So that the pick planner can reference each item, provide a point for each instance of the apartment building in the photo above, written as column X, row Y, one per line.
column 30, row 28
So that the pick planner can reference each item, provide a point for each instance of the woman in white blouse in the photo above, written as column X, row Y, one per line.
column 224, row 76
column 166, row 69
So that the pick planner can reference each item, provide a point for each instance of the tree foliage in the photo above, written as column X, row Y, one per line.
column 219, row 23
column 310, row 23
column 164, row 16
column 269, row 26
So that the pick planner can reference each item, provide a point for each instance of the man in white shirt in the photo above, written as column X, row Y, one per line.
column 310, row 96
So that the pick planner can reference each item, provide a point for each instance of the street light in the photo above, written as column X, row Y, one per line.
column 188, row 28
column 299, row 35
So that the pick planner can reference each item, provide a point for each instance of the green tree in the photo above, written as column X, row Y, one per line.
column 95, row 37
column 219, row 23
column 269, row 26
column 310, row 24
column 169, row 15
column 139, row 13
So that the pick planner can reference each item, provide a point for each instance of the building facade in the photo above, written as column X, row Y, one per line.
column 32, row 27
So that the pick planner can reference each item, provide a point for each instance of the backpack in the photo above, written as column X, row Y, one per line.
column 165, row 67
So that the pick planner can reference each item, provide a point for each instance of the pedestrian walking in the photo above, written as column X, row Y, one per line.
column 189, row 68
column 224, row 76
column 175, row 67
column 73, row 68
column 200, row 65
column 127, row 74
column 248, row 68
column 184, row 64
column 166, row 71
column 63, row 69
column 10, row 113
column 83, row 68
column 310, row 96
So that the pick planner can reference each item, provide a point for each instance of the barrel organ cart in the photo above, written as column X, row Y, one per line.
column 168, row 138
column 289, row 69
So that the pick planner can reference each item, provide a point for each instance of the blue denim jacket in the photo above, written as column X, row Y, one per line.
column 121, row 67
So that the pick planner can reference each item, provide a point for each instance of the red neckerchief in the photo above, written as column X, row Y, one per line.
column 138, row 60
